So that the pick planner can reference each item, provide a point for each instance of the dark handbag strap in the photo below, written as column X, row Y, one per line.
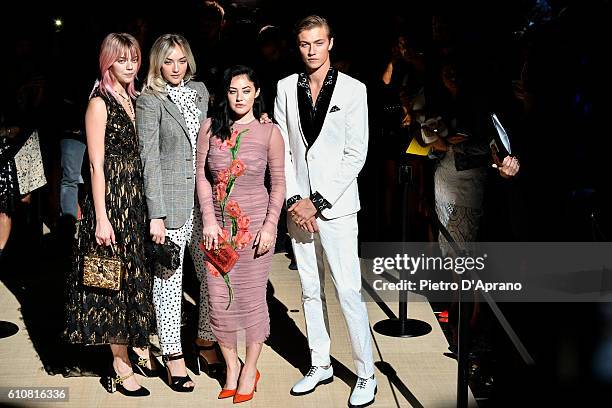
column 103, row 250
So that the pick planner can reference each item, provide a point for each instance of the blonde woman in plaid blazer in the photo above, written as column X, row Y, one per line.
column 169, row 113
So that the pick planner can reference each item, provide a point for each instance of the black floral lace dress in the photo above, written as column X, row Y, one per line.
column 98, row 316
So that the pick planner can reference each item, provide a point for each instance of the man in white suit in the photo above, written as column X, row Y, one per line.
column 323, row 117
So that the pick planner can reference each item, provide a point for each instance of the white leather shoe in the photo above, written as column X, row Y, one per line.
column 316, row 376
column 363, row 393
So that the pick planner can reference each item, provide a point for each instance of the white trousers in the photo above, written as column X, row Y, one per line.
column 337, row 240
column 168, row 288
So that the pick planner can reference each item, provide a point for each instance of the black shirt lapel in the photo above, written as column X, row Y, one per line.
column 313, row 117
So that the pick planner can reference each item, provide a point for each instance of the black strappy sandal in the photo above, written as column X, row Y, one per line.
column 211, row 369
column 174, row 382
column 139, row 364
column 114, row 382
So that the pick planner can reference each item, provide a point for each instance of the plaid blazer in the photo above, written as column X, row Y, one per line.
column 167, row 155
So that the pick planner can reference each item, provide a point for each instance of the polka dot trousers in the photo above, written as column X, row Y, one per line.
column 168, row 288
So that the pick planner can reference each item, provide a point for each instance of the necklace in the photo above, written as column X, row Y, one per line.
column 129, row 103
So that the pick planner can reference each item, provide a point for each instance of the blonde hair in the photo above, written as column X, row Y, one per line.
column 160, row 50
column 310, row 22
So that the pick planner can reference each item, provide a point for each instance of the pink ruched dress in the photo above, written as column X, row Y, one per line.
column 261, row 147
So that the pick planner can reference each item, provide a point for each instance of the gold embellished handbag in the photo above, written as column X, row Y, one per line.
column 104, row 272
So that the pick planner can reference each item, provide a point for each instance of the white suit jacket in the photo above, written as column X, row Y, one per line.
column 331, row 165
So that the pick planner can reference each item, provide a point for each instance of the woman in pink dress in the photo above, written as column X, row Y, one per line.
column 237, row 149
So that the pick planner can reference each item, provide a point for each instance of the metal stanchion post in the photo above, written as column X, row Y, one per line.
column 463, row 353
column 402, row 326
column 7, row 329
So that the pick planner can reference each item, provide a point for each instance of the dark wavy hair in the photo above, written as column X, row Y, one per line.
column 222, row 116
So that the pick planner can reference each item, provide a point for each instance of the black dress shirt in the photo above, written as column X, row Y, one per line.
column 312, row 115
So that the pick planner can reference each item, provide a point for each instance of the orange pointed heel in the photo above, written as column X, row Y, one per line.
column 238, row 398
column 226, row 393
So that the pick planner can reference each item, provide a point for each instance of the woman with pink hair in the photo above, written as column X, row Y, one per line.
column 114, row 223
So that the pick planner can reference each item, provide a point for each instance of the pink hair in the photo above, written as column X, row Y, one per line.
column 114, row 46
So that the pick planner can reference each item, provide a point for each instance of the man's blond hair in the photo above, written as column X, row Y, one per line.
column 310, row 22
